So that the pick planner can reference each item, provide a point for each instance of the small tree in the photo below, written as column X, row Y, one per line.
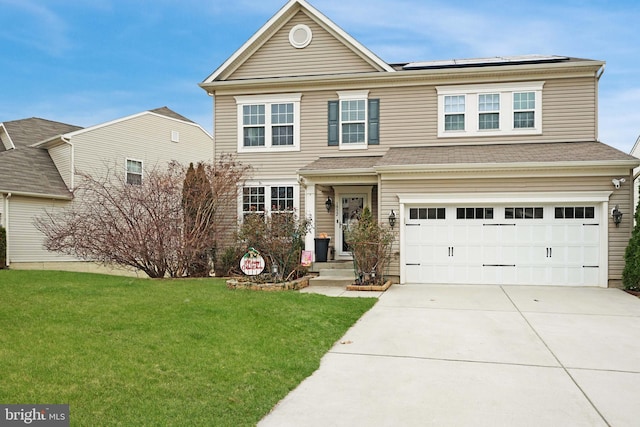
column 147, row 226
column 3, row 247
column 199, row 209
column 280, row 239
column 370, row 246
column 631, row 272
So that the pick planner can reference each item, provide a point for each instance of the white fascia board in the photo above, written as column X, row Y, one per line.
column 11, row 144
column 68, row 136
column 506, row 166
column 508, row 197
column 338, row 172
column 635, row 151
column 286, row 9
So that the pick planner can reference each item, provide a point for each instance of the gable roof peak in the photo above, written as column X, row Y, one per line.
column 287, row 12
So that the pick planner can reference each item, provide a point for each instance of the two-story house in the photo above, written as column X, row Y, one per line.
column 40, row 159
column 489, row 170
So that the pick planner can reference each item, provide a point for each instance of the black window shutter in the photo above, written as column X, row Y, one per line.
column 334, row 139
column 374, row 122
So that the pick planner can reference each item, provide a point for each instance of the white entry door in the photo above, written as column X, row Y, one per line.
column 349, row 207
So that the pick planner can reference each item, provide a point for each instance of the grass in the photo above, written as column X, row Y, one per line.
column 125, row 351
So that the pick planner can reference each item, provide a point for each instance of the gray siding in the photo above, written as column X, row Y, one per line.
column 61, row 156
column 25, row 241
column 146, row 138
column 277, row 58
column 408, row 117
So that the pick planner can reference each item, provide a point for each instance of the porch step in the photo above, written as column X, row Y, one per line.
column 342, row 281
column 332, row 265
column 333, row 273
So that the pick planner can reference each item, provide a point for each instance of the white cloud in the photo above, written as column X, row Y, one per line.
column 35, row 26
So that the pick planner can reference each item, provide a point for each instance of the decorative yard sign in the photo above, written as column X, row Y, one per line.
column 252, row 263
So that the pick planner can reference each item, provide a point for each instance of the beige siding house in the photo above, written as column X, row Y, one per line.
column 40, row 159
column 491, row 167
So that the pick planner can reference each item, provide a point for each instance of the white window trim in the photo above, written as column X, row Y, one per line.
column 472, row 113
column 268, row 184
column 267, row 100
column 126, row 169
column 354, row 95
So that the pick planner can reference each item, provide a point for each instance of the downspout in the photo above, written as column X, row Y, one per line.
column 599, row 74
column 5, row 210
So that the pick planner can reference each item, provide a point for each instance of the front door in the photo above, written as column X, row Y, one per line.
column 350, row 207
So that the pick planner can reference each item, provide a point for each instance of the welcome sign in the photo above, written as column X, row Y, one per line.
column 252, row 263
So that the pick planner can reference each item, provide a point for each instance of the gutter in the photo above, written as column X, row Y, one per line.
column 404, row 77
column 36, row 195
column 503, row 166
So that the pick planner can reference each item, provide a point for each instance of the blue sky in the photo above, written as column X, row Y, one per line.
column 86, row 62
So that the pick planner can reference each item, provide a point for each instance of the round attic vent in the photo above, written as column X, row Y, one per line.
column 300, row 36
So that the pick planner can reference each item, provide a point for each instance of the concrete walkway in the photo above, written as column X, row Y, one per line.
column 446, row 355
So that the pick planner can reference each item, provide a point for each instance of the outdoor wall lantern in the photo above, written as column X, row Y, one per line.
column 392, row 218
column 328, row 204
column 617, row 216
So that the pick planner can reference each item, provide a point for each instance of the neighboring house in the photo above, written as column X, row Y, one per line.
column 491, row 167
column 39, row 160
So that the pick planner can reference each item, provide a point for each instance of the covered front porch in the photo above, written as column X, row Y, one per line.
column 336, row 191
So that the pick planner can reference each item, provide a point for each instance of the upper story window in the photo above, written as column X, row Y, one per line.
column 454, row 112
column 354, row 120
column 490, row 110
column 268, row 123
column 524, row 110
column 134, row 172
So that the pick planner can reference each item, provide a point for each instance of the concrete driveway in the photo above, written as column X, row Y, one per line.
column 447, row 355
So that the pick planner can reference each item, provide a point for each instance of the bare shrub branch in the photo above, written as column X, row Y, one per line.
column 143, row 226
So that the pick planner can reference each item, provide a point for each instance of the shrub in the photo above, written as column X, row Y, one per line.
column 3, row 247
column 228, row 264
column 280, row 239
column 370, row 245
column 631, row 272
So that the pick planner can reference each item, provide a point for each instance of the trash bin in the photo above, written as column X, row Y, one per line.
column 321, row 248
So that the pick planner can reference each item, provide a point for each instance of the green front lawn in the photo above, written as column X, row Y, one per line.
column 125, row 351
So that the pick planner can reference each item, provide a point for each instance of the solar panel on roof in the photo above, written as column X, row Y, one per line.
column 484, row 61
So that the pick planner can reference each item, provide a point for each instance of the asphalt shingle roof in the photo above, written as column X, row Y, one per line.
column 503, row 153
column 166, row 111
column 29, row 131
column 31, row 170
column 339, row 163
column 475, row 154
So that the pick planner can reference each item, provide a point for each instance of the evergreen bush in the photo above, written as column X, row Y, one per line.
column 631, row 272
column 3, row 247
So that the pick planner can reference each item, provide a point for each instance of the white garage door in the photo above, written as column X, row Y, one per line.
column 535, row 244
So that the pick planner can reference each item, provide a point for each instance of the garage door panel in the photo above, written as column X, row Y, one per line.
column 544, row 249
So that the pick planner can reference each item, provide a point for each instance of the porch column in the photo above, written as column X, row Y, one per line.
column 310, row 214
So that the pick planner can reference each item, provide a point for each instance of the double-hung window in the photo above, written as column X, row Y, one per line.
column 134, row 172
column 524, row 110
column 354, row 120
column 490, row 109
column 268, row 123
column 454, row 112
column 279, row 199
